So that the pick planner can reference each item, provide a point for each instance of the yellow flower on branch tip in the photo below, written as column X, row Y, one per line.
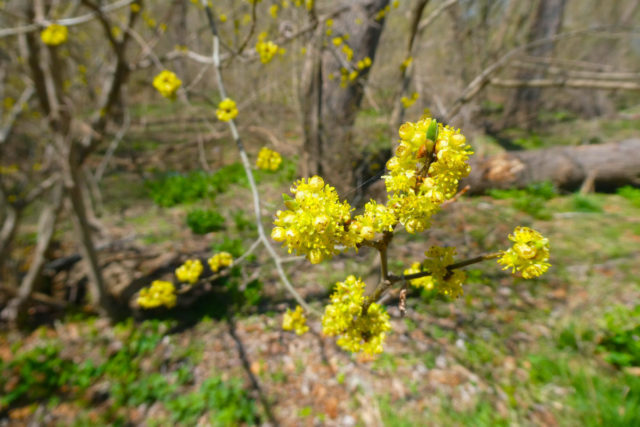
column 167, row 83
column 54, row 35
column 227, row 110
column 428, row 164
column 315, row 222
column 268, row 159
column 529, row 253
column 343, row 318
column 295, row 321
column 160, row 293
column 220, row 260
column 189, row 271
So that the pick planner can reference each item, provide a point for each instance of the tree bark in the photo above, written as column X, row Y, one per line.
column 523, row 105
column 611, row 165
column 329, row 110
column 46, row 227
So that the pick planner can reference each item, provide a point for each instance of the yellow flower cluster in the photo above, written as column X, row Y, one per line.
column 363, row 63
column 425, row 171
column 315, row 221
column 346, row 76
column 268, row 159
column 375, row 219
column 54, row 35
column 425, row 282
column 267, row 49
column 227, row 110
column 344, row 318
column 408, row 102
column 158, row 294
column 445, row 281
column 273, row 11
column 167, row 83
column 295, row 321
column 219, row 260
column 529, row 253
column 381, row 14
column 190, row 271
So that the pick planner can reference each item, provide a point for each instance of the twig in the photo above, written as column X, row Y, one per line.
column 113, row 147
column 68, row 22
column 247, row 167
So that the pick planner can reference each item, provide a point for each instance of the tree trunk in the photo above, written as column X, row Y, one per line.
column 522, row 108
column 609, row 165
column 46, row 227
column 329, row 110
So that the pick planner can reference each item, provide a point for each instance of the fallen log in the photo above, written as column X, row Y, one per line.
column 609, row 165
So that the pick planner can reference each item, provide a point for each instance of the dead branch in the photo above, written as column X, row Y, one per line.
column 562, row 82
column 484, row 78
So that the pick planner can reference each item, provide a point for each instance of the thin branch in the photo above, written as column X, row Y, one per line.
column 484, row 78
column 247, row 167
column 15, row 113
column 68, row 22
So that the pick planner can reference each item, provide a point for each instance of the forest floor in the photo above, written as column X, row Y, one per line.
column 560, row 350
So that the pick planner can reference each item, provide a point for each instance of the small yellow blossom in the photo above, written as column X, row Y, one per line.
column 223, row 18
column 447, row 282
column 266, row 50
column 295, row 321
column 425, row 282
column 529, row 253
column 167, row 83
column 406, row 63
column 273, row 11
column 227, row 110
column 54, row 35
column 190, row 271
column 337, row 41
column 158, row 294
column 135, row 7
column 408, row 102
column 268, row 159
column 219, row 260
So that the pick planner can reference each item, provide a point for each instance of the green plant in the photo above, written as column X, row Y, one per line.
column 630, row 193
column 595, row 399
column 531, row 200
column 621, row 343
column 586, row 203
column 41, row 373
column 242, row 222
column 176, row 188
column 233, row 246
column 227, row 402
column 203, row 221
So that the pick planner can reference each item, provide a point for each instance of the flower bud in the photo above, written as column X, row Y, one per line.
column 406, row 131
column 316, row 183
column 278, row 234
column 320, row 223
column 524, row 250
column 368, row 233
column 458, row 139
column 315, row 256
